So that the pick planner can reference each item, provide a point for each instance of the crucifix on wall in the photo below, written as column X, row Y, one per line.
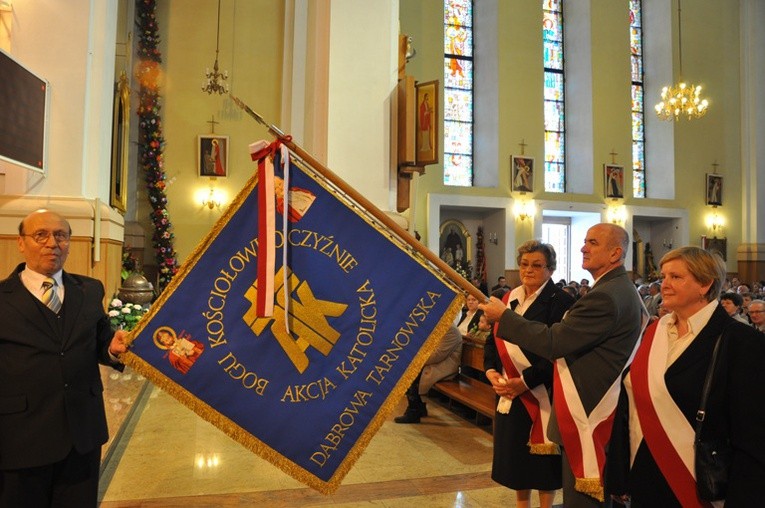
column 212, row 153
column 212, row 123
column 613, row 176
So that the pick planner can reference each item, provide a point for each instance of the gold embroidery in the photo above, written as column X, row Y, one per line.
column 307, row 320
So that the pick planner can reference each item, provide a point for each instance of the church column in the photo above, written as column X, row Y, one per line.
column 71, row 45
column 343, row 62
column 751, row 251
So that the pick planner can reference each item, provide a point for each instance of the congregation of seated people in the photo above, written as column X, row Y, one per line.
column 575, row 289
column 742, row 301
column 736, row 297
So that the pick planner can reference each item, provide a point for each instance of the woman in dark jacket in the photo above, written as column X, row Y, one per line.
column 651, row 458
column 523, row 457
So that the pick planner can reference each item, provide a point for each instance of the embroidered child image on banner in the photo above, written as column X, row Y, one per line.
column 355, row 315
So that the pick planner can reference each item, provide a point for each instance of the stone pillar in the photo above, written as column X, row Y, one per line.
column 340, row 108
column 751, row 252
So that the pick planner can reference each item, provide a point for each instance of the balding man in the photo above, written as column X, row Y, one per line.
column 53, row 334
column 591, row 347
column 757, row 314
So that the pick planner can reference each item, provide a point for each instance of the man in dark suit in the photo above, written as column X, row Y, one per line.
column 653, row 300
column 53, row 334
column 501, row 285
column 590, row 347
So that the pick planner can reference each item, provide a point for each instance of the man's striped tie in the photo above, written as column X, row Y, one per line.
column 50, row 295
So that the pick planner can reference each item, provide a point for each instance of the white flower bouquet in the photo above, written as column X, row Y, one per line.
column 125, row 315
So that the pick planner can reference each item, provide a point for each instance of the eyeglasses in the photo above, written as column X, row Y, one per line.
column 41, row 237
column 533, row 266
column 756, row 311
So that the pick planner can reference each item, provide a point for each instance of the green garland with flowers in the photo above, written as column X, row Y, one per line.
column 150, row 140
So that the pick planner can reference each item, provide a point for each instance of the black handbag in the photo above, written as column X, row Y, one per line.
column 713, row 457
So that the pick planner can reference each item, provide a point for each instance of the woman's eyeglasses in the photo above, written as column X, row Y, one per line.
column 533, row 266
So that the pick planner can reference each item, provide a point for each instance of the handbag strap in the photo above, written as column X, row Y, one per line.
column 701, row 412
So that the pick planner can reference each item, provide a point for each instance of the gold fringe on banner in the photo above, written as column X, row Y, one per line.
column 393, row 398
column 544, row 448
column 236, row 432
column 590, row 486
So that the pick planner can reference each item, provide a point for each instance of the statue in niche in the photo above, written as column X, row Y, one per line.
column 650, row 266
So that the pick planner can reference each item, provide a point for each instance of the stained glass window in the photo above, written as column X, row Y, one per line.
column 458, row 93
column 554, row 103
column 638, row 106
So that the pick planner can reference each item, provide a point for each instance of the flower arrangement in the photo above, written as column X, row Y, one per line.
column 130, row 263
column 463, row 269
column 124, row 316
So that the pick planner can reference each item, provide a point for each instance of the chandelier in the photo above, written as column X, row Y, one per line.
column 215, row 81
column 681, row 99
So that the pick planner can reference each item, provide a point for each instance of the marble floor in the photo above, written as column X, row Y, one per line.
column 163, row 455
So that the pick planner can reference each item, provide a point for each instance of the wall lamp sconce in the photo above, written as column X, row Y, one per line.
column 493, row 238
column 211, row 199
column 715, row 222
column 667, row 243
column 204, row 461
column 617, row 214
column 524, row 209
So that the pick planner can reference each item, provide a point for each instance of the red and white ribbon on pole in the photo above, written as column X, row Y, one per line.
column 262, row 152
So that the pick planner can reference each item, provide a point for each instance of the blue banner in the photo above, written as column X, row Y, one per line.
column 307, row 388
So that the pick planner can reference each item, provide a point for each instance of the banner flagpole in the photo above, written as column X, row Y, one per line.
column 368, row 205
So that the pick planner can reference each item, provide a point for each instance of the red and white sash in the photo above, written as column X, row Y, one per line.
column 585, row 436
column 536, row 400
column 664, row 428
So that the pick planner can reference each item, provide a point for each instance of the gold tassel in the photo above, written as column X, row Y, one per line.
column 590, row 486
column 544, row 449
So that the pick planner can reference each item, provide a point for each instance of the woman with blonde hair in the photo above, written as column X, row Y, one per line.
column 651, row 460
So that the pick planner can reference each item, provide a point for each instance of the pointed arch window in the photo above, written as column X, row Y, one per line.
column 458, row 93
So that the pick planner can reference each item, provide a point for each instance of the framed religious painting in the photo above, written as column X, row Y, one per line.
column 521, row 173
column 714, row 189
column 614, row 178
column 212, row 155
column 719, row 245
column 120, row 145
column 426, row 128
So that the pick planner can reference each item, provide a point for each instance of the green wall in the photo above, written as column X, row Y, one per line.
column 251, row 35
column 251, row 40
column 710, row 57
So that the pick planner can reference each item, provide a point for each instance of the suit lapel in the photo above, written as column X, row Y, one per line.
column 27, row 304
column 73, row 299
column 539, row 308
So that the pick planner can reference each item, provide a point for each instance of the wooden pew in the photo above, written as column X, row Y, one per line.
column 467, row 390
